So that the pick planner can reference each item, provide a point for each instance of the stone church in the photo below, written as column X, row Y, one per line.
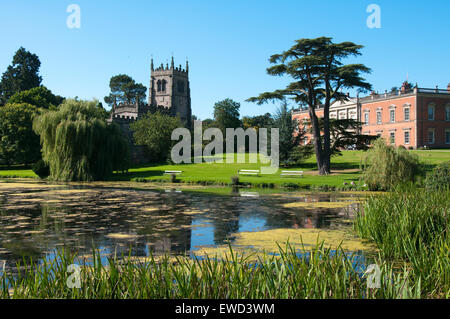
column 168, row 92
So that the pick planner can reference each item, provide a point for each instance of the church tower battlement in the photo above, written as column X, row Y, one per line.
column 169, row 88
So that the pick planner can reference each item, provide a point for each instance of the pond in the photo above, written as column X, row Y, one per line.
column 37, row 218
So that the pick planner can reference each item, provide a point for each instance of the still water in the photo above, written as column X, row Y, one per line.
column 38, row 218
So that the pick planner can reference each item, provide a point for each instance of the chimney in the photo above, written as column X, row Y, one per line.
column 403, row 88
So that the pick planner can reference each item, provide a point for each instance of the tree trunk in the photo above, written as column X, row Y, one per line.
column 326, row 153
column 321, row 165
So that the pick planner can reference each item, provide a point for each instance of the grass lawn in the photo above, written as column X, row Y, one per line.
column 17, row 173
column 345, row 169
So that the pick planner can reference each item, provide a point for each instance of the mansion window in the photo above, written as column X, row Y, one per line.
column 407, row 137
column 447, row 136
column 366, row 118
column 431, row 108
column 447, row 112
column 431, row 136
column 392, row 137
column 378, row 117
column 392, row 115
column 158, row 84
column 407, row 114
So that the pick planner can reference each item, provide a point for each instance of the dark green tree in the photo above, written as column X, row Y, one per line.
column 226, row 115
column 155, row 131
column 258, row 121
column 41, row 97
column 290, row 136
column 78, row 144
column 18, row 143
column 346, row 133
column 125, row 90
column 320, row 76
column 21, row 75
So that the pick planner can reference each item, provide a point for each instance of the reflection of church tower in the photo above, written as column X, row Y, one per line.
column 169, row 88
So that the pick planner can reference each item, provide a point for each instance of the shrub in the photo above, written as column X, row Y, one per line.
column 439, row 177
column 41, row 169
column 387, row 166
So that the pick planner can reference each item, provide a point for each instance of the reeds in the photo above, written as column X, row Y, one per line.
column 411, row 225
column 314, row 273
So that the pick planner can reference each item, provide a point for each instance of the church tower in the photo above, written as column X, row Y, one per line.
column 169, row 88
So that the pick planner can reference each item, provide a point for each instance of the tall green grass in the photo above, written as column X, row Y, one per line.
column 411, row 225
column 317, row 273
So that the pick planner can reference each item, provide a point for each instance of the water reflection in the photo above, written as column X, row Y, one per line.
column 34, row 222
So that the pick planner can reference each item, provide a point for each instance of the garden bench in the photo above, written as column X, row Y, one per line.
column 249, row 194
column 292, row 173
column 173, row 172
column 248, row 172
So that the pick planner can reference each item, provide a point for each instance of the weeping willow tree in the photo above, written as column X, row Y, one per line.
column 387, row 166
column 78, row 144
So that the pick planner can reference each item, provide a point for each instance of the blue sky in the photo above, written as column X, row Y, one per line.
column 228, row 43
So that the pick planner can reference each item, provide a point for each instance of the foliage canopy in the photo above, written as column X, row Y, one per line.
column 319, row 77
column 78, row 144
column 18, row 143
column 226, row 114
column 125, row 90
column 21, row 75
column 40, row 97
column 155, row 131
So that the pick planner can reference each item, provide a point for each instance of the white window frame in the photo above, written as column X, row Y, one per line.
column 392, row 115
column 409, row 137
column 431, row 130
column 379, row 120
column 366, row 118
column 409, row 113
column 391, row 137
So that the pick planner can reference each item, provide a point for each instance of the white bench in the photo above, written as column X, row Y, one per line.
column 173, row 172
column 292, row 173
column 248, row 172
column 249, row 194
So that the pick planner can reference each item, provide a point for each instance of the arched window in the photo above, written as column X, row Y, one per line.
column 163, row 84
column 447, row 112
column 158, row 84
